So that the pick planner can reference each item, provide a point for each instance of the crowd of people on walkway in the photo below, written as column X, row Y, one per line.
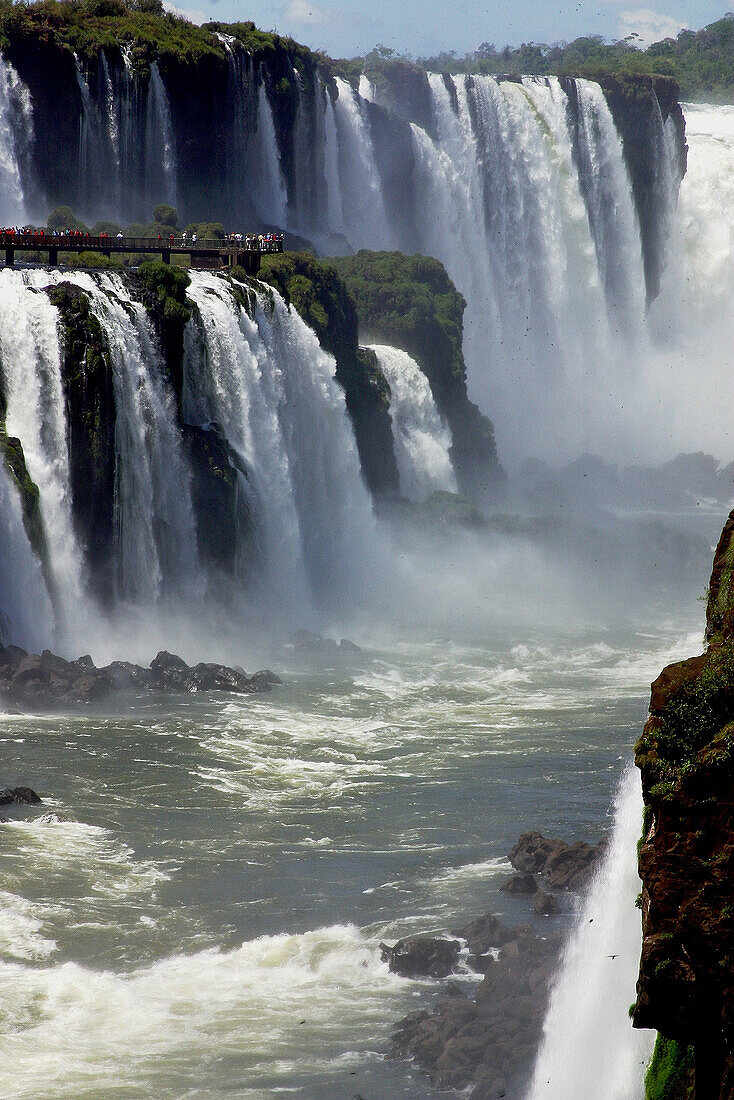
column 250, row 242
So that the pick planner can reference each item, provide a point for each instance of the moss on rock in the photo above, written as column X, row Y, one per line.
column 411, row 303
column 315, row 289
column 90, row 402
column 670, row 1074
column 162, row 290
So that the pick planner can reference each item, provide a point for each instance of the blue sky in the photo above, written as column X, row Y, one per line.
column 421, row 27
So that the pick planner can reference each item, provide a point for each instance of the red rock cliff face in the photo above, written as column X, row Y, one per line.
column 686, row 757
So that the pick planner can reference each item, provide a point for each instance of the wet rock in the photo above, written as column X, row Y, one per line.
column 11, row 656
column 422, row 956
column 520, row 884
column 265, row 680
column 544, row 904
column 47, row 678
column 124, row 674
column 171, row 673
column 14, row 795
column 567, row 866
column 484, row 933
column 487, row 1041
column 308, row 641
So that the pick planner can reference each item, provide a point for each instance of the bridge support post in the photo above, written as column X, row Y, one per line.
column 166, row 255
column 53, row 257
column 9, row 256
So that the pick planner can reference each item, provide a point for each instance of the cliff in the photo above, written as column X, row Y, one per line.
column 686, row 860
column 410, row 302
column 321, row 297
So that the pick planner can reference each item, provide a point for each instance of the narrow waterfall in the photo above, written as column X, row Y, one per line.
column 26, row 616
column 271, row 200
column 608, row 194
column 160, row 153
column 16, row 134
column 263, row 377
column 30, row 357
column 589, row 1046
column 363, row 204
column 154, row 521
column 422, row 439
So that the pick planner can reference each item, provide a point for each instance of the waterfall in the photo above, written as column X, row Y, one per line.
column 30, row 361
column 589, row 1046
column 363, row 204
column 271, row 201
column 160, row 153
column 263, row 377
column 26, row 617
column 422, row 439
column 154, row 522
column 16, row 133
column 608, row 194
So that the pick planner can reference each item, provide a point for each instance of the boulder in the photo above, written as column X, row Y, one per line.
column 265, row 680
column 544, row 904
column 520, row 884
column 13, row 795
column 422, row 956
column 567, row 866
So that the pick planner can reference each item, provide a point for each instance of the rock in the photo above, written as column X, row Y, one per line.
column 544, row 904
column 520, row 884
column 568, row 866
column 484, row 933
column 124, row 674
column 422, row 956
column 487, row 1042
column 23, row 795
column 309, row 641
column 11, row 656
column 265, row 680
column 532, row 852
column 349, row 647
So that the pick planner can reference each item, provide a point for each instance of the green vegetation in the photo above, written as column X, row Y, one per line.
column 162, row 289
column 701, row 62
column 699, row 710
column 670, row 1074
column 409, row 301
column 11, row 452
column 143, row 26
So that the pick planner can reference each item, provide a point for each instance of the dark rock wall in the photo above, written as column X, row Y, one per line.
column 686, row 757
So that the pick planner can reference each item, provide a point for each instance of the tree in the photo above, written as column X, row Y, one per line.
column 165, row 215
column 64, row 218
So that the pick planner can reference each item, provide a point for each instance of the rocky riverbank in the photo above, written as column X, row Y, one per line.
column 484, row 1037
column 45, row 679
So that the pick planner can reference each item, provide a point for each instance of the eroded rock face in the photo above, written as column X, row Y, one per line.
column 686, row 757
column 422, row 956
column 564, row 866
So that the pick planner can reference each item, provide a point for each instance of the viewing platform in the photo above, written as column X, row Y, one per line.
column 243, row 250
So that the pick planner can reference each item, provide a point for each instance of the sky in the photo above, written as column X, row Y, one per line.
column 421, row 28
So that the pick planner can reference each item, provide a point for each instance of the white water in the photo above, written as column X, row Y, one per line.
column 589, row 1045
column 154, row 520
column 160, row 152
column 271, row 200
column 16, row 132
column 36, row 413
column 422, row 440
column 26, row 617
column 269, row 384
column 362, row 200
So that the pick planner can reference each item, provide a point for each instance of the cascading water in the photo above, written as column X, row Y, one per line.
column 363, row 204
column 26, row 616
column 271, row 201
column 589, row 1046
column 154, row 521
column 16, row 133
column 30, row 356
column 264, row 378
column 422, row 440
column 160, row 152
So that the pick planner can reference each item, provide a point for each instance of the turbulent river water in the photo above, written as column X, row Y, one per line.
column 197, row 907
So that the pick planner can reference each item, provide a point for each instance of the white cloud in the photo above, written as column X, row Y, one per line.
column 192, row 14
column 306, row 13
column 649, row 26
